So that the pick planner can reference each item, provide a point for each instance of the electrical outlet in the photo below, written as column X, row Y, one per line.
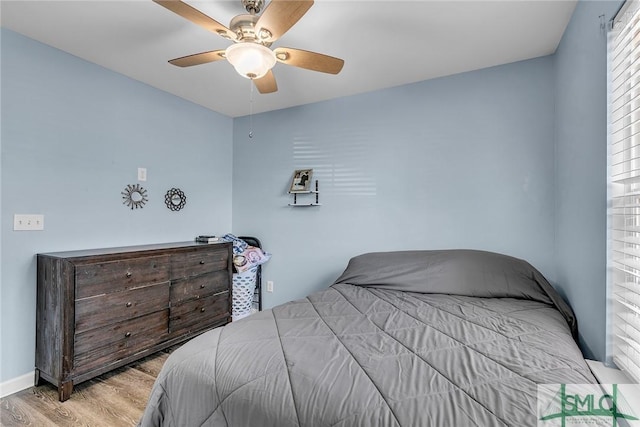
column 142, row 174
column 22, row 222
column 269, row 286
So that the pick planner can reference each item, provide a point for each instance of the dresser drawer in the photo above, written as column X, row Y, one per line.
column 194, row 263
column 106, row 309
column 199, row 314
column 97, row 347
column 120, row 275
column 199, row 286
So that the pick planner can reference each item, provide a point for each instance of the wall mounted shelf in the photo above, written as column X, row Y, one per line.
column 296, row 203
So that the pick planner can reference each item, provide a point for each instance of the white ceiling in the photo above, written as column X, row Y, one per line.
column 384, row 43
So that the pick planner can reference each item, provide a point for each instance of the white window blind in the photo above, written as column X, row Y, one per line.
column 624, row 139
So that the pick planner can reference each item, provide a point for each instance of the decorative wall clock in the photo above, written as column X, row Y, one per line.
column 175, row 199
column 134, row 196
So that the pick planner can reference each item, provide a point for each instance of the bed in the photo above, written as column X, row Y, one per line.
column 409, row 338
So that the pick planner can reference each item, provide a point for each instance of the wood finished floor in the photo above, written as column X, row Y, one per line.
column 114, row 399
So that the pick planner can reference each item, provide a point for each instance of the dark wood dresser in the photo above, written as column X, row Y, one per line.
column 100, row 309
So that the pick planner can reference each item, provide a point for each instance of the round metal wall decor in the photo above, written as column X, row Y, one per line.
column 134, row 196
column 175, row 199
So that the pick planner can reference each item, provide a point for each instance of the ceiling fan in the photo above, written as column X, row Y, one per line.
column 252, row 35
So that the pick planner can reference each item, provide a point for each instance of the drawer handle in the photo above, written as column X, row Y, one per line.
column 128, row 274
column 202, row 262
column 202, row 310
column 128, row 304
column 127, row 335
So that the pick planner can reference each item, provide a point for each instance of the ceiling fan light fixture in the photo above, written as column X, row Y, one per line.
column 251, row 60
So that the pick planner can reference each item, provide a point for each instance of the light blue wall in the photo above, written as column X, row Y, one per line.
column 458, row 162
column 487, row 159
column 73, row 136
column 509, row 159
column 581, row 169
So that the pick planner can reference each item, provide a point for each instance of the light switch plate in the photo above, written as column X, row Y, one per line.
column 28, row 222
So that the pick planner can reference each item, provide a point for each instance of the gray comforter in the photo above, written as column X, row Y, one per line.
column 422, row 338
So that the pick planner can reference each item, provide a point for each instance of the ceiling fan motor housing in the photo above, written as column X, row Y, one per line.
column 244, row 27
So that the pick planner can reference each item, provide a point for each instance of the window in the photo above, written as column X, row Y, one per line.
column 624, row 151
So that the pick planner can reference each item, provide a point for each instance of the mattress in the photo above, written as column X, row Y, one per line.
column 414, row 338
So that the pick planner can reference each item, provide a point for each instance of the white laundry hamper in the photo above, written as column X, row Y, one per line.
column 244, row 286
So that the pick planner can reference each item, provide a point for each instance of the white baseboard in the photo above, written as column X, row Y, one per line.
column 17, row 384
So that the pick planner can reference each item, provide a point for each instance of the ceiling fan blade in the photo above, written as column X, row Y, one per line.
column 266, row 83
column 309, row 60
column 279, row 16
column 199, row 58
column 197, row 17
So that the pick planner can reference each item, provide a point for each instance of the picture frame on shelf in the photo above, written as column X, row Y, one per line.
column 301, row 181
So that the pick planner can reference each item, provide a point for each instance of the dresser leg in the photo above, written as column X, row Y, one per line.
column 36, row 379
column 64, row 390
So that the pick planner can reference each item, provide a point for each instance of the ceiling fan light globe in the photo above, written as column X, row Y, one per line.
column 251, row 60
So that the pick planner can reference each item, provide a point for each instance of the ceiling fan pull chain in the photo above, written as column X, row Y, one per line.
column 251, row 109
